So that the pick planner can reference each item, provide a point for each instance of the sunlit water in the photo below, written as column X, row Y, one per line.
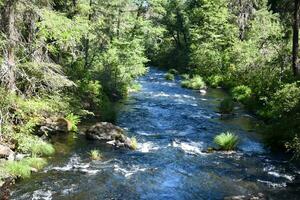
column 173, row 126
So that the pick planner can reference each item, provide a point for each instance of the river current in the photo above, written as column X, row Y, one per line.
column 173, row 127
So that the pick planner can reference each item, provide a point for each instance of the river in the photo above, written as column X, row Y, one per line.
column 173, row 126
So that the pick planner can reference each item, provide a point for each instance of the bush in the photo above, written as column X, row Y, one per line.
column 134, row 87
column 241, row 93
column 226, row 141
column 195, row 83
column 185, row 76
column 172, row 71
column 215, row 81
column 134, row 143
column 285, row 101
column 74, row 121
column 169, row 77
column 95, row 155
column 226, row 106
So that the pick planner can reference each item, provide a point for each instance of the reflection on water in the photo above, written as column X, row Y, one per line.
column 173, row 127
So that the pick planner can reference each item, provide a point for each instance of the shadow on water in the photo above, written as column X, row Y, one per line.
column 173, row 126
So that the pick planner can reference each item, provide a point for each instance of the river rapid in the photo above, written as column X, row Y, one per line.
column 173, row 126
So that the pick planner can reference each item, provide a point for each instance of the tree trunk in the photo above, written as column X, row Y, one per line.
column 8, row 26
column 87, row 42
column 295, row 64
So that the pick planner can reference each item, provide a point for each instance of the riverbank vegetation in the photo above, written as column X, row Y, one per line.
column 73, row 59
column 249, row 48
column 66, row 60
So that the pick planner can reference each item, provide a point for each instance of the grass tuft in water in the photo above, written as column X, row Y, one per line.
column 95, row 154
column 134, row 143
column 226, row 141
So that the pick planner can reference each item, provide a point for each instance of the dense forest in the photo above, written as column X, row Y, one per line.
column 74, row 59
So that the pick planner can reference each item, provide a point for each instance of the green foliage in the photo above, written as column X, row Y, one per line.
column 34, row 162
column 74, row 120
column 135, row 87
column 215, row 80
column 95, row 155
column 285, row 101
column 18, row 169
column 172, row 71
column 226, row 141
column 241, row 93
column 33, row 145
column 185, row 76
column 169, row 77
column 226, row 106
column 195, row 83
column 294, row 146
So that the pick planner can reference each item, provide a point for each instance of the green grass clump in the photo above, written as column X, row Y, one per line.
column 18, row 169
column 33, row 145
column 74, row 121
column 195, row 83
column 226, row 106
column 34, row 162
column 95, row 154
column 226, row 141
column 170, row 77
column 134, row 143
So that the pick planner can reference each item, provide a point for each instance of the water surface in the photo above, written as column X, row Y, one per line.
column 173, row 126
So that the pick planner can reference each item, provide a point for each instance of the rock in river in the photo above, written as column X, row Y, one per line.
column 110, row 133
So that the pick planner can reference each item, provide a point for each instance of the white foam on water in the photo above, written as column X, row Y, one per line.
column 271, row 184
column 74, row 164
column 194, row 148
column 279, row 175
column 147, row 147
column 42, row 195
column 128, row 172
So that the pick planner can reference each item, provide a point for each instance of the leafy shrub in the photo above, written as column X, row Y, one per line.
column 226, row 106
column 74, row 121
column 285, row 101
column 215, row 81
column 172, row 71
column 185, row 76
column 95, row 155
column 169, row 77
column 134, row 87
column 18, row 169
column 134, row 143
column 241, row 93
column 226, row 141
column 195, row 83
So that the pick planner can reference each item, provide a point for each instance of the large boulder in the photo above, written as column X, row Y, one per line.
column 53, row 126
column 6, row 152
column 109, row 133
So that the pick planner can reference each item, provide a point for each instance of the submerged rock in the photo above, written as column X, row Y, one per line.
column 110, row 133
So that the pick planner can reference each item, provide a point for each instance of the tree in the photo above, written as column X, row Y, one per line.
column 295, row 59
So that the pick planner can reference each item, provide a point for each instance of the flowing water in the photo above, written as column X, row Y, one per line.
column 173, row 126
